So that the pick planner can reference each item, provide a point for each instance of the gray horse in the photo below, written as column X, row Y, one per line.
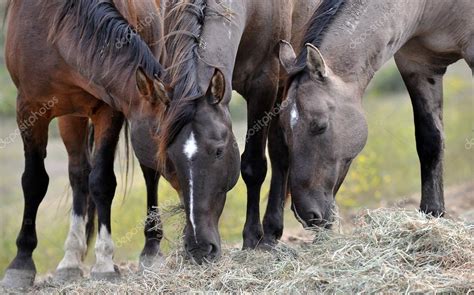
column 345, row 44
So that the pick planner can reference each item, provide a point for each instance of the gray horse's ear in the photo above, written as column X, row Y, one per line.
column 315, row 61
column 152, row 89
column 217, row 87
column 287, row 56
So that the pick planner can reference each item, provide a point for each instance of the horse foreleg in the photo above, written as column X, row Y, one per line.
column 426, row 91
column 153, row 228
column 279, row 157
column 260, row 97
column 102, row 186
column 33, row 126
column 74, row 132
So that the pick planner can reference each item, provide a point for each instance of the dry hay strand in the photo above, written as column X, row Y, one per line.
column 388, row 251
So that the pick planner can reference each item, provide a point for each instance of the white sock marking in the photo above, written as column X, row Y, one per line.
column 104, row 252
column 190, row 149
column 75, row 246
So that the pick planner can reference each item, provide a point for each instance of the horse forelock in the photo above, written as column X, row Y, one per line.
column 317, row 26
column 109, row 45
column 183, row 27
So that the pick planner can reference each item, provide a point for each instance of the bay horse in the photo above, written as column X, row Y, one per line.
column 346, row 43
column 78, row 60
column 211, row 48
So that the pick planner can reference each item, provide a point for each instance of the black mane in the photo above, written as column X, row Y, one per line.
column 183, row 27
column 317, row 26
column 107, row 42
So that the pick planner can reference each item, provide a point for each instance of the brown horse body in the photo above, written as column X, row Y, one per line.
column 62, row 70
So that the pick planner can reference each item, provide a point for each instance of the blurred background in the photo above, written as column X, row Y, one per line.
column 385, row 174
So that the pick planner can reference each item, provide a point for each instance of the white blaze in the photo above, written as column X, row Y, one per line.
column 294, row 116
column 190, row 149
column 75, row 245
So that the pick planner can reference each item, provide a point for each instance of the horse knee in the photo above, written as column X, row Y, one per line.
column 79, row 176
column 430, row 144
column 34, row 182
column 254, row 169
column 102, row 185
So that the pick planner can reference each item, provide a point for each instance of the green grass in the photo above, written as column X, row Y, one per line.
column 387, row 169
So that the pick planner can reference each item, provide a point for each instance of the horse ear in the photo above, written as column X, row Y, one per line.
column 315, row 61
column 217, row 87
column 152, row 89
column 287, row 56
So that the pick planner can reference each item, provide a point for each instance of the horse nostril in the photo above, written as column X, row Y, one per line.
column 315, row 219
column 219, row 153
column 213, row 252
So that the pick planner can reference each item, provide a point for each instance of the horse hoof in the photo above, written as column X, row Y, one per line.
column 433, row 212
column 18, row 278
column 148, row 262
column 106, row 276
column 267, row 246
column 251, row 243
column 64, row 275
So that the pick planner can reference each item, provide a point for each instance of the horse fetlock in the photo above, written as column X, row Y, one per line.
column 252, row 235
column 272, row 234
column 273, row 223
column 273, row 230
column 76, row 245
column 104, row 267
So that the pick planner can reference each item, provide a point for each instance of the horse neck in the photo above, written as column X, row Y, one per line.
column 365, row 34
column 120, row 91
column 221, row 35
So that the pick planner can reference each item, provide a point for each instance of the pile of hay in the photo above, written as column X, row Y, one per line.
column 388, row 251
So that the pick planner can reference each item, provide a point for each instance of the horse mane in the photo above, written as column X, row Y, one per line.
column 183, row 24
column 317, row 26
column 107, row 43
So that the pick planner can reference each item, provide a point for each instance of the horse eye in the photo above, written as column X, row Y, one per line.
column 219, row 153
column 317, row 128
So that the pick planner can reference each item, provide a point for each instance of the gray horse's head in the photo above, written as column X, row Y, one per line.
column 202, row 151
column 325, row 129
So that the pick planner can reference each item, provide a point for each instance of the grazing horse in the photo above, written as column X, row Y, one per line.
column 211, row 48
column 80, row 60
column 346, row 43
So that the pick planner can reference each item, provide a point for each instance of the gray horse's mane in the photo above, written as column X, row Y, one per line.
column 317, row 26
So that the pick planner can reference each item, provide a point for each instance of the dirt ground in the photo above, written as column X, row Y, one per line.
column 459, row 202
